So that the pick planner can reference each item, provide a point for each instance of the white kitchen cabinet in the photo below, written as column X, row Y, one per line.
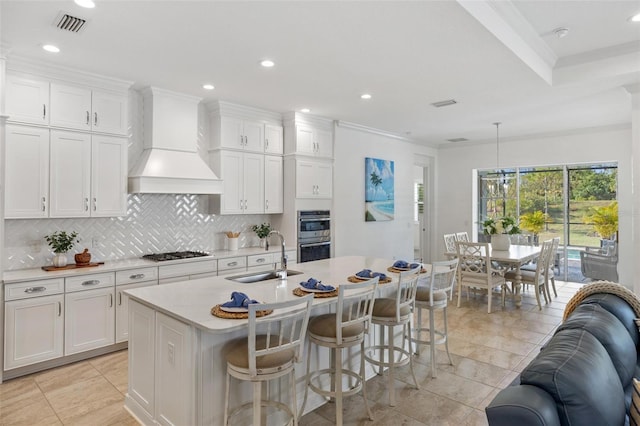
column 314, row 179
column 108, row 176
column 261, row 262
column 142, row 352
column 232, row 264
column 273, row 184
column 82, row 108
column 241, row 134
column 243, row 176
column 187, row 270
column 122, row 308
column 89, row 312
column 314, row 141
column 273, row 139
column 34, row 322
column 70, row 174
column 26, row 172
column 27, row 100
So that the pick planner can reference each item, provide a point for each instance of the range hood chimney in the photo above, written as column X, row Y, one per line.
column 170, row 163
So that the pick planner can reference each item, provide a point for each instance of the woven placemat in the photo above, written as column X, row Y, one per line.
column 397, row 271
column 603, row 287
column 217, row 312
column 301, row 293
column 355, row 279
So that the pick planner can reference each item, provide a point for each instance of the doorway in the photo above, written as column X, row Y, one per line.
column 421, row 208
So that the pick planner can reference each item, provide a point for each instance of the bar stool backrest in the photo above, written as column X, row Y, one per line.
column 442, row 279
column 407, row 287
column 285, row 329
column 355, row 305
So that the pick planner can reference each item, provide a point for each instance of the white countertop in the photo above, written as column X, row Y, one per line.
column 32, row 274
column 191, row 301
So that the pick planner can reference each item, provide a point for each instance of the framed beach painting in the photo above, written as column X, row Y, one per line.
column 378, row 190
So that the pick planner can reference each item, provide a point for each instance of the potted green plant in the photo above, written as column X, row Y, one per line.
column 61, row 242
column 262, row 231
column 499, row 229
column 604, row 220
column 534, row 222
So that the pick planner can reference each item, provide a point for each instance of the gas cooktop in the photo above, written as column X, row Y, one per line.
column 174, row 255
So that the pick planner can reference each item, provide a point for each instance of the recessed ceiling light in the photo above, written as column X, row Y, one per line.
column 635, row 18
column 51, row 48
column 89, row 4
column 365, row 96
column 305, row 110
column 267, row 63
column 208, row 86
column 561, row 32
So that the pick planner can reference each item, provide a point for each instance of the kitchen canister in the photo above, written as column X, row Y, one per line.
column 232, row 243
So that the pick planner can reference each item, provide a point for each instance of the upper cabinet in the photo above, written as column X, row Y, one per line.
column 246, row 135
column 27, row 100
column 273, row 139
column 309, row 136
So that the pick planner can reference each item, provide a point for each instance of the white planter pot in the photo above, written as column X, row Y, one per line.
column 500, row 242
column 60, row 260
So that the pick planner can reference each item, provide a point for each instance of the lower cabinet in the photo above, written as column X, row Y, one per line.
column 122, row 309
column 90, row 320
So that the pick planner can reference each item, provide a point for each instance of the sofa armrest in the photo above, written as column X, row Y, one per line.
column 523, row 405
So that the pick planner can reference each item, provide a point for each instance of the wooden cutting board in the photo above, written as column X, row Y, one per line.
column 71, row 266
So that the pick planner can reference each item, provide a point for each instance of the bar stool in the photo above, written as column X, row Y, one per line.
column 270, row 351
column 343, row 329
column 434, row 296
column 392, row 312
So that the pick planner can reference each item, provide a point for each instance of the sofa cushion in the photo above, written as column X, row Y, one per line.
column 576, row 370
column 618, row 307
column 611, row 333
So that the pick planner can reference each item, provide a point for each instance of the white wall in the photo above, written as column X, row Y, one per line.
column 456, row 165
column 354, row 236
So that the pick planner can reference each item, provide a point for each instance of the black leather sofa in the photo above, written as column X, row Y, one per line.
column 583, row 374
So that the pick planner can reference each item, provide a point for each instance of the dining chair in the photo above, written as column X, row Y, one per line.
column 271, row 350
column 450, row 243
column 475, row 270
column 462, row 237
column 345, row 328
column 537, row 278
column 433, row 294
column 389, row 313
column 550, row 275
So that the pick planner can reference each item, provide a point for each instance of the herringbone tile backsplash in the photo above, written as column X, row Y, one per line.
column 154, row 223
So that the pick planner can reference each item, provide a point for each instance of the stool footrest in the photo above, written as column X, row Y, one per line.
column 330, row 372
column 404, row 359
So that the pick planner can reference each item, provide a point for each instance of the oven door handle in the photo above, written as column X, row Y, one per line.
column 315, row 244
column 314, row 219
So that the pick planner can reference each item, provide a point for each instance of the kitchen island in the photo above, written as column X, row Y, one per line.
column 177, row 368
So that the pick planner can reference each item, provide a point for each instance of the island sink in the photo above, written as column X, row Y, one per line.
column 254, row 277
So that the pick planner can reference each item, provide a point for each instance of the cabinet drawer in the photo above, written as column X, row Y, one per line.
column 261, row 259
column 89, row 282
column 33, row 289
column 136, row 275
column 187, row 268
column 232, row 263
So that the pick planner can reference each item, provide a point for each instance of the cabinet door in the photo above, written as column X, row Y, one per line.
column 231, row 133
column 324, row 179
column 33, row 330
column 89, row 320
column 305, row 179
column 70, row 107
column 273, row 139
column 108, row 176
column 305, row 143
column 122, row 309
column 324, row 143
column 232, row 199
column 273, row 184
column 253, row 132
column 109, row 112
column 26, row 172
column 27, row 100
column 142, row 350
column 253, row 183
column 70, row 175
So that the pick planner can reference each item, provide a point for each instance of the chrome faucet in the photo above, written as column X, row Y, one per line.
column 282, row 273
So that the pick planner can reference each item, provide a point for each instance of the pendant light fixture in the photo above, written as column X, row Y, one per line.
column 503, row 183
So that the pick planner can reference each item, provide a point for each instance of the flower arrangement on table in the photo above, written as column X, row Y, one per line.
column 500, row 225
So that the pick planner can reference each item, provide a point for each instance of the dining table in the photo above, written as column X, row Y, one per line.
column 514, row 258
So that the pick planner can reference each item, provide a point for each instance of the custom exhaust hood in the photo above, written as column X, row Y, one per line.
column 170, row 163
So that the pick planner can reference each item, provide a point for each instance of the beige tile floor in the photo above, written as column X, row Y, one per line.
column 489, row 351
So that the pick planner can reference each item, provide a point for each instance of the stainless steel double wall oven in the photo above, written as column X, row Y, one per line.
column 314, row 235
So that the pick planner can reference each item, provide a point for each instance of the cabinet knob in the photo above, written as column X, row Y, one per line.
column 95, row 118
column 88, row 117
column 232, row 263
column 261, row 260
column 86, row 204
column 95, row 204
column 44, row 111
column 136, row 276
column 44, row 204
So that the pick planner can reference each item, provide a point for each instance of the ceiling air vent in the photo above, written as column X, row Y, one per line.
column 444, row 103
column 70, row 23
column 457, row 140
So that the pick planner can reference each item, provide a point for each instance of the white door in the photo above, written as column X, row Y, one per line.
column 109, row 112
column 33, row 330
column 231, row 133
column 305, row 143
column 70, row 176
column 253, row 183
column 324, row 143
column 273, row 184
column 26, row 172
column 122, row 309
column 305, row 179
column 89, row 320
column 273, row 139
column 253, row 132
column 27, row 100
column 108, row 176
column 70, row 107
column 324, row 180
column 232, row 199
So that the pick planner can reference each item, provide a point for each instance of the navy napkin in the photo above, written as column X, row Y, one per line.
column 367, row 273
column 402, row 264
column 313, row 284
column 239, row 300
